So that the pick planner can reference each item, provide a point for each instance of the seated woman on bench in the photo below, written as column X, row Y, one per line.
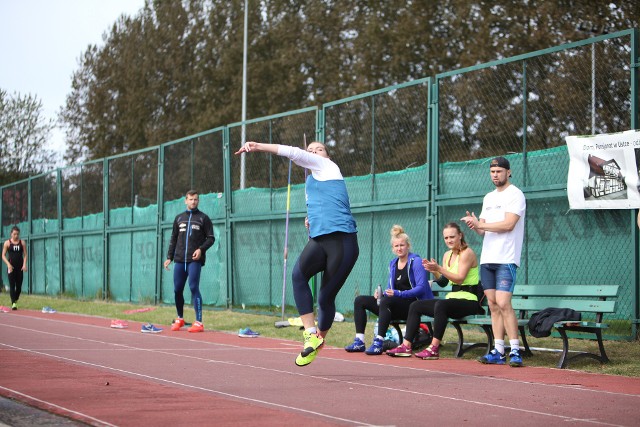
column 407, row 283
column 459, row 266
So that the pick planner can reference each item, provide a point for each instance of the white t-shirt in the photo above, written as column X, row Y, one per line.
column 505, row 247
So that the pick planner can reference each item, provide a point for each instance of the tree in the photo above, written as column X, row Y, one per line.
column 175, row 69
column 24, row 133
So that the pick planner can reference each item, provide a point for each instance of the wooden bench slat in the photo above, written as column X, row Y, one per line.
column 606, row 291
column 581, row 324
column 537, row 304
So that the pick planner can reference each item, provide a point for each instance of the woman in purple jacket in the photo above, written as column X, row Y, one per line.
column 407, row 283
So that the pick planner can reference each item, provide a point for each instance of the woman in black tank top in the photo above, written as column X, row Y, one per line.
column 14, row 255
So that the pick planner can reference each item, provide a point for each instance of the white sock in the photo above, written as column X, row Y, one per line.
column 499, row 344
column 312, row 330
column 360, row 337
column 515, row 344
column 380, row 337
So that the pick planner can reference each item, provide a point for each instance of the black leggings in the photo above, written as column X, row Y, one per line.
column 335, row 255
column 441, row 310
column 15, row 283
column 391, row 308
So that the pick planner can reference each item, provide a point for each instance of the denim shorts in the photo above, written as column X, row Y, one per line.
column 501, row 277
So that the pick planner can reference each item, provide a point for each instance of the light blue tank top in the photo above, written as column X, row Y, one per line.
column 328, row 207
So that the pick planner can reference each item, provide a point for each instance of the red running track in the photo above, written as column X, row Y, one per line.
column 77, row 366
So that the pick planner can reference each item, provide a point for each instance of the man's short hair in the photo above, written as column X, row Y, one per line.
column 192, row 193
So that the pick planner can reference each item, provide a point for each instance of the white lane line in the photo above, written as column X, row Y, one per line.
column 208, row 360
column 62, row 408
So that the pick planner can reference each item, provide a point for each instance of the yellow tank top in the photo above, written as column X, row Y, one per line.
column 473, row 277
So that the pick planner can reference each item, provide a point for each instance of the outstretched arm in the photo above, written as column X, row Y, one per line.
column 258, row 147
column 317, row 164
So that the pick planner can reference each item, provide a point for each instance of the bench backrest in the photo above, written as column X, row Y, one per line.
column 593, row 291
column 597, row 299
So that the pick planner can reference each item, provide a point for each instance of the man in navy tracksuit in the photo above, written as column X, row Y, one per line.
column 192, row 235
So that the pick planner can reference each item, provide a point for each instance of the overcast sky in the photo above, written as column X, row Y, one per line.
column 42, row 40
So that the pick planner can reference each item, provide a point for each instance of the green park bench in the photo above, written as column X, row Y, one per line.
column 596, row 300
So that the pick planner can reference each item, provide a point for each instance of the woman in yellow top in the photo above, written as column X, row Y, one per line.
column 459, row 266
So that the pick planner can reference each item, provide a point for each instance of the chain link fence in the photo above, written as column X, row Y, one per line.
column 414, row 154
column 536, row 101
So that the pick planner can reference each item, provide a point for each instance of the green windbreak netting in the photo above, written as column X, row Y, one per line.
column 44, row 226
column 44, row 267
column 83, row 265
column 256, row 201
column 119, row 264
column 211, row 204
column 413, row 181
column 259, row 259
column 88, row 222
column 473, row 175
column 133, row 215
column 132, row 266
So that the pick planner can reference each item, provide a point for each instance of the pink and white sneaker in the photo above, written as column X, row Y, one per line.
column 429, row 353
column 400, row 351
column 119, row 324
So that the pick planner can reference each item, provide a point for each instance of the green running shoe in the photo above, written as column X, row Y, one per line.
column 312, row 342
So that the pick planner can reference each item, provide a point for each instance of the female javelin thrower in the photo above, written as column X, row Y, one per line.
column 333, row 244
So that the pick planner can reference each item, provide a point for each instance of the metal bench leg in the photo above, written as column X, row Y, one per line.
column 460, row 350
column 565, row 349
column 603, row 354
column 565, row 358
column 527, row 351
column 490, row 339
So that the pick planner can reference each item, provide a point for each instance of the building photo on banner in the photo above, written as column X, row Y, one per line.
column 603, row 171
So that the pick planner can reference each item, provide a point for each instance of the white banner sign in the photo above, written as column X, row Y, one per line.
column 603, row 171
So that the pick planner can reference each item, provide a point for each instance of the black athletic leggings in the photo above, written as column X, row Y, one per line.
column 335, row 255
column 15, row 283
column 391, row 308
column 441, row 310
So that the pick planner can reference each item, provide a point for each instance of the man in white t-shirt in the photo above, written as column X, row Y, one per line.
column 501, row 223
